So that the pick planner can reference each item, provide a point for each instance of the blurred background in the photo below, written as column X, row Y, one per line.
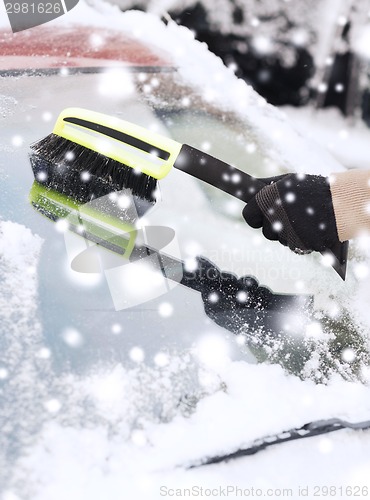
column 293, row 52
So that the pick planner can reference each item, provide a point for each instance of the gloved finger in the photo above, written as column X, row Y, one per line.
column 252, row 214
column 269, row 232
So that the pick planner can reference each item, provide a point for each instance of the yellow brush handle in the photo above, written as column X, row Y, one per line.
column 132, row 156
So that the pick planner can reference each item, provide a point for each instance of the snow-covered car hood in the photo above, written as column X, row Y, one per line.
column 96, row 402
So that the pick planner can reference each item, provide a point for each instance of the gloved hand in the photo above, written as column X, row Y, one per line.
column 297, row 210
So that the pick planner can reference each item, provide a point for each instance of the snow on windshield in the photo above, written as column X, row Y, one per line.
column 127, row 429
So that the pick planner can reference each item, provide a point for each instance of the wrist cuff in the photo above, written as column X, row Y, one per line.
column 351, row 200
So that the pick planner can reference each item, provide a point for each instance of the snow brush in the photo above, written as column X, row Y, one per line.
column 91, row 154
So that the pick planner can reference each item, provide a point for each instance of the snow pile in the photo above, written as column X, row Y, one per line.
column 103, row 458
column 23, row 358
column 19, row 250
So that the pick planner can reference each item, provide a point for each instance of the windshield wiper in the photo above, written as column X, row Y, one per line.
column 315, row 428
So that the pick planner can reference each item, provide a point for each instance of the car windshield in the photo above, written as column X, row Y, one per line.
column 161, row 102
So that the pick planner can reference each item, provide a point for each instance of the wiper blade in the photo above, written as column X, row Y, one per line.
column 311, row 429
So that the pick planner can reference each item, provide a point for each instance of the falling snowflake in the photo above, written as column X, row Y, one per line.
column 191, row 265
column 185, row 101
column 47, row 116
column 53, row 405
column 161, row 359
column 242, row 296
column 262, row 44
column 342, row 20
column 41, row 176
column 85, row 176
column 240, row 339
column 124, row 201
column 43, row 353
column 96, row 40
column 141, row 77
column 213, row 297
column 165, row 309
column 69, row 156
column 17, row 141
column 72, row 337
column 251, row 148
column 154, row 82
column 277, row 226
column 236, row 178
column 290, row 197
column 348, row 355
column 137, row 354
column 327, row 260
column 116, row 328
column 61, row 225
column 322, row 87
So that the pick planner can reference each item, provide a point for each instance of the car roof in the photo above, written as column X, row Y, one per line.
column 47, row 48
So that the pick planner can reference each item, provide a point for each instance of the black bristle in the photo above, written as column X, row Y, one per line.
column 84, row 174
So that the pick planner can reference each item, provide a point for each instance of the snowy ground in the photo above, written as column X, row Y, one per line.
column 120, row 408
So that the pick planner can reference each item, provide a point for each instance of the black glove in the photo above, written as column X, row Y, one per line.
column 296, row 210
